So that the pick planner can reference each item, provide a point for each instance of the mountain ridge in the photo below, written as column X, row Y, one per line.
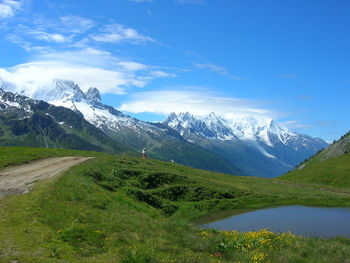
column 161, row 141
column 28, row 122
column 250, row 146
column 279, row 147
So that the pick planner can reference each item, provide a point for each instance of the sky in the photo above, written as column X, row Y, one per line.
column 287, row 60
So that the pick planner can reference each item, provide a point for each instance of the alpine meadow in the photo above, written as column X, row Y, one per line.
column 174, row 131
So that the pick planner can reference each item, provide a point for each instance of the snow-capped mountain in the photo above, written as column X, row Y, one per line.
column 29, row 122
column 69, row 95
column 262, row 131
column 10, row 100
column 243, row 146
column 228, row 136
column 161, row 141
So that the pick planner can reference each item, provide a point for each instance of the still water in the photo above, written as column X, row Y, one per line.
column 300, row 220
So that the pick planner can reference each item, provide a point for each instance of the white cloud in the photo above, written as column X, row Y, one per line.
column 8, row 8
column 116, row 33
column 48, row 37
column 195, row 100
column 87, row 67
column 75, row 24
column 69, row 24
column 26, row 45
column 62, row 30
column 217, row 69
column 161, row 74
column 19, row 41
column 30, row 77
column 293, row 124
column 93, row 57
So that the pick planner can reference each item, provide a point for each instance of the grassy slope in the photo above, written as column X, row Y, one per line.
column 123, row 209
column 334, row 150
column 19, row 155
column 332, row 172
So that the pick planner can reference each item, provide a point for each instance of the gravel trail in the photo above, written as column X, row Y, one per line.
column 19, row 179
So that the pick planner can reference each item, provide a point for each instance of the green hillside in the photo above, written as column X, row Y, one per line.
column 330, row 166
column 125, row 209
column 336, row 149
column 333, row 172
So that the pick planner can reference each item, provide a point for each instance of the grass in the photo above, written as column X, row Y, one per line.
column 124, row 209
column 332, row 172
column 10, row 156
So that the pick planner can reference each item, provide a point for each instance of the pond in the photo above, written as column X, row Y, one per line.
column 300, row 220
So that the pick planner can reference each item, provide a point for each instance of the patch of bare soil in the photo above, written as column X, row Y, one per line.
column 19, row 179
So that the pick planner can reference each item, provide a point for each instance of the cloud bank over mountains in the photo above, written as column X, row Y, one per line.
column 147, row 61
column 87, row 67
column 196, row 100
column 70, row 47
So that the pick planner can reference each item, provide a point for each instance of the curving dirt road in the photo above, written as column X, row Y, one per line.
column 19, row 179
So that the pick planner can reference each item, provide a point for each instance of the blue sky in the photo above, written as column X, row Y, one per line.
column 288, row 60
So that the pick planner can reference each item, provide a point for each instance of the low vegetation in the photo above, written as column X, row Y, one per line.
column 129, row 210
column 10, row 156
column 333, row 172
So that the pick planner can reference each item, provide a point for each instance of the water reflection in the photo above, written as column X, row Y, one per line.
column 300, row 220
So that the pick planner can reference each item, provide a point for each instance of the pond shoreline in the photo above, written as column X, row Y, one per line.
column 324, row 222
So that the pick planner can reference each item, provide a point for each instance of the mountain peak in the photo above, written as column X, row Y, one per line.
column 185, row 116
column 93, row 95
column 253, row 129
column 60, row 90
column 212, row 114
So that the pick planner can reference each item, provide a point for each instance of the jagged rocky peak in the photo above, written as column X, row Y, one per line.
column 210, row 126
column 68, row 89
column 185, row 116
column 60, row 90
column 172, row 116
column 10, row 100
column 181, row 120
column 244, row 128
column 93, row 95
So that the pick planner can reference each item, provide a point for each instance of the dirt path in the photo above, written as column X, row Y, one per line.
column 19, row 179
